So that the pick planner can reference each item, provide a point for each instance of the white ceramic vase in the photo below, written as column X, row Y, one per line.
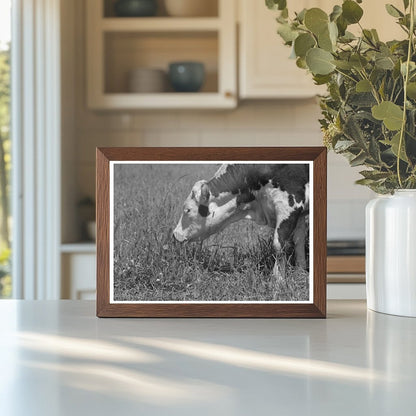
column 391, row 253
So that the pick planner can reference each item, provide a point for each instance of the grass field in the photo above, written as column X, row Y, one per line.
column 149, row 264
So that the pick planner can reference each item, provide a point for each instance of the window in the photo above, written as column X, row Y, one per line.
column 5, row 145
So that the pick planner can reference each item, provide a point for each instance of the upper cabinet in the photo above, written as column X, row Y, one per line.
column 128, row 58
column 265, row 68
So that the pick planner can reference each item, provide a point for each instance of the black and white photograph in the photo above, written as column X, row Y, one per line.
column 211, row 232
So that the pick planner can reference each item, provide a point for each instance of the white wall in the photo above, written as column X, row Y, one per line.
column 256, row 123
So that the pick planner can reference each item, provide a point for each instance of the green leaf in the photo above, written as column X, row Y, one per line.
column 365, row 182
column 342, row 25
column 384, row 62
column 375, row 35
column 287, row 33
column 347, row 37
column 344, row 65
column 393, row 11
column 363, row 86
column 333, row 32
column 343, row 145
column 319, row 61
column 396, row 70
column 325, row 42
column 301, row 15
column 351, row 11
column 336, row 12
column 405, row 21
column 412, row 67
column 321, row 79
column 374, row 174
column 406, row 4
column 368, row 36
column 362, row 99
column 382, row 89
column 394, row 143
column 353, row 131
column 316, row 20
column 411, row 90
column 276, row 4
column 358, row 160
column 301, row 63
column 388, row 112
column 374, row 150
column 358, row 61
column 303, row 43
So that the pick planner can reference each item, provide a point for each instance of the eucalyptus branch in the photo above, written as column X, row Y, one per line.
column 346, row 75
column 392, row 91
column 398, row 95
column 373, row 88
column 406, row 80
column 370, row 64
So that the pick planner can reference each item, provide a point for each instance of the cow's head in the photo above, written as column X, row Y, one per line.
column 194, row 222
column 205, row 214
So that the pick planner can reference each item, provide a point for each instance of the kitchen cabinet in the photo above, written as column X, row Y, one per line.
column 78, row 263
column 265, row 70
column 118, row 45
column 346, row 279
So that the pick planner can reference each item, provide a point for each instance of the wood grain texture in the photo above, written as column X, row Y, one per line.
column 346, row 264
column 103, row 231
column 345, row 278
column 317, row 309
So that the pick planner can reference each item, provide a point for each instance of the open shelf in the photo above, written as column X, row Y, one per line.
column 126, row 51
column 116, row 46
column 85, row 247
column 160, row 24
column 167, row 100
column 211, row 9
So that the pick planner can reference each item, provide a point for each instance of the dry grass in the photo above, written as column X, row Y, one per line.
column 149, row 264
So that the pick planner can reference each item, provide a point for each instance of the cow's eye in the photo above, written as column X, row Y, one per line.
column 187, row 210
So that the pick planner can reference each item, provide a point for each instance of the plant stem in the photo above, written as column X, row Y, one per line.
column 373, row 88
column 406, row 80
column 346, row 75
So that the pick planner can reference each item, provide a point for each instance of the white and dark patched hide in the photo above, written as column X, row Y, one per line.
column 276, row 195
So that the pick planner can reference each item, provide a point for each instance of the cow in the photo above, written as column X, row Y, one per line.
column 276, row 195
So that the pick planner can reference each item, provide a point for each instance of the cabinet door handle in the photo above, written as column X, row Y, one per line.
column 229, row 94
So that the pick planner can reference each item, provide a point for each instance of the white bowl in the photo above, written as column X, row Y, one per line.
column 191, row 8
column 147, row 80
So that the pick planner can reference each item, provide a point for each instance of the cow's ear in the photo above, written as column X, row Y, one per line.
column 205, row 194
column 203, row 211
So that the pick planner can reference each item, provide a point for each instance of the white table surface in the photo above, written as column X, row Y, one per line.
column 57, row 358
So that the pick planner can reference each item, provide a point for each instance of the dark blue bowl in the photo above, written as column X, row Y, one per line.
column 186, row 76
column 135, row 8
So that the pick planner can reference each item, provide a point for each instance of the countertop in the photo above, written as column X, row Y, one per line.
column 57, row 358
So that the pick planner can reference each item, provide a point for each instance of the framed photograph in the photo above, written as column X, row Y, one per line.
column 211, row 232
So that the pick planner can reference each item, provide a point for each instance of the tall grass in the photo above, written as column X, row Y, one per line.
column 149, row 264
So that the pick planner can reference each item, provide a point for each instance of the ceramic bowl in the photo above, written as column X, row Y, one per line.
column 135, row 8
column 191, row 8
column 186, row 76
column 147, row 80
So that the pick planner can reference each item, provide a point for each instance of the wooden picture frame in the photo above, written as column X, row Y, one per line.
column 314, row 160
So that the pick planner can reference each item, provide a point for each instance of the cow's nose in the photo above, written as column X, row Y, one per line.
column 179, row 235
